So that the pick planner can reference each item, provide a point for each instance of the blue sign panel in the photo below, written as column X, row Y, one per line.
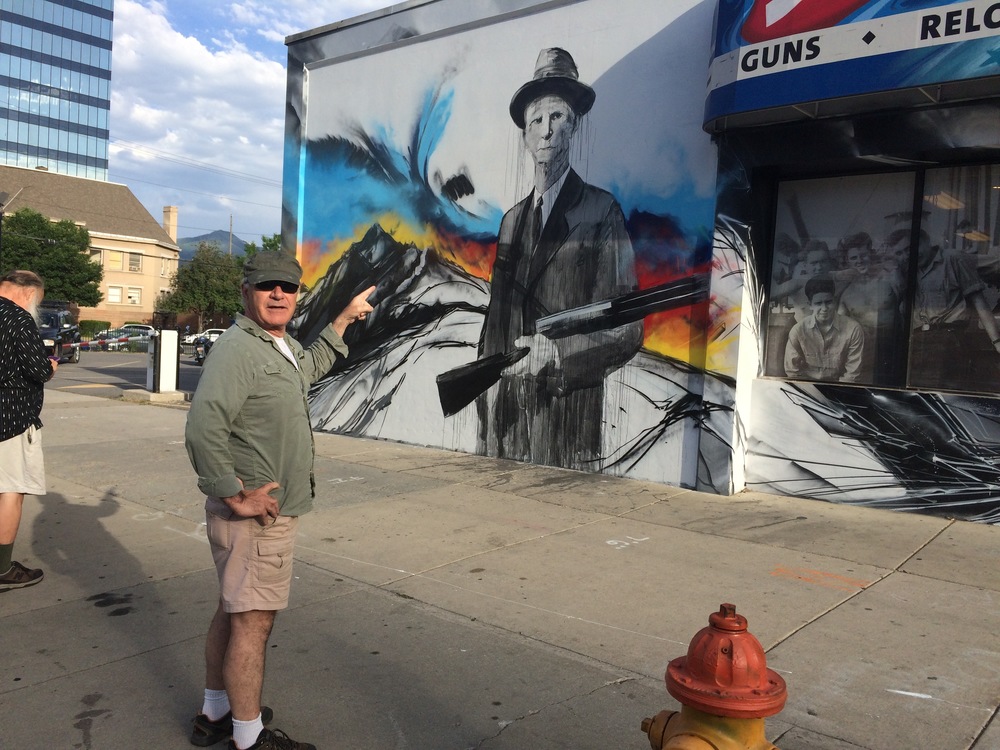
column 777, row 53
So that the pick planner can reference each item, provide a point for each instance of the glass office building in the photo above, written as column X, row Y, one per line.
column 55, row 85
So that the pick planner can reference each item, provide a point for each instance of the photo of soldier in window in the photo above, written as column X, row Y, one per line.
column 790, row 304
column 949, row 309
column 874, row 296
column 824, row 345
column 838, row 222
column 954, row 339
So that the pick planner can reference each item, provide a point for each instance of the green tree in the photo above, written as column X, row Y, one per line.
column 58, row 251
column 272, row 243
column 208, row 285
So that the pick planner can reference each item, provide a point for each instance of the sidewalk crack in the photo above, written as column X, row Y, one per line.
column 506, row 723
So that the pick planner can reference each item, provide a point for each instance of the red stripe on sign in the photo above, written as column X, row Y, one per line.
column 770, row 19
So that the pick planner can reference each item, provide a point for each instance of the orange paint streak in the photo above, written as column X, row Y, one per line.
column 473, row 256
column 821, row 578
column 674, row 333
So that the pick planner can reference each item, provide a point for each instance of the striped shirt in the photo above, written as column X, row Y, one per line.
column 24, row 369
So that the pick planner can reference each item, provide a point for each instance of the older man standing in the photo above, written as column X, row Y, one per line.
column 563, row 246
column 24, row 370
column 249, row 439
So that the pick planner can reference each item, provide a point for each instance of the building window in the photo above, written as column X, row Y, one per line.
column 954, row 334
column 115, row 260
column 838, row 293
column 134, row 295
column 866, row 290
column 135, row 262
column 114, row 295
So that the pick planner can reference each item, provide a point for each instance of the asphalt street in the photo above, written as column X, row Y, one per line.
column 110, row 374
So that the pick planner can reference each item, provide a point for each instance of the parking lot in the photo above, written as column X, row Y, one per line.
column 109, row 374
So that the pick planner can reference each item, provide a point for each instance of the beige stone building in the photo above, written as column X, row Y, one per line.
column 139, row 256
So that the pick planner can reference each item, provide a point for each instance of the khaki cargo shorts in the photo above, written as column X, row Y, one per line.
column 22, row 468
column 254, row 562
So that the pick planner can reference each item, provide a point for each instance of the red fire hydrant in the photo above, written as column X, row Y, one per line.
column 725, row 690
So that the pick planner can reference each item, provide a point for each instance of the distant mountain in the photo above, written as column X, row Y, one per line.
column 188, row 245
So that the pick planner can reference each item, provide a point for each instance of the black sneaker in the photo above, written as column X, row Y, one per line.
column 206, row 733
column 18, row 577
column 276, row 740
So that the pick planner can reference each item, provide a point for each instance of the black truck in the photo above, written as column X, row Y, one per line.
column 60, row 333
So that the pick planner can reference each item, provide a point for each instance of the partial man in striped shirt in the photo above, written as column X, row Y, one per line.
column 24, row 370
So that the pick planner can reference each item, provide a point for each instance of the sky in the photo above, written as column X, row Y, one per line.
column 197, row 106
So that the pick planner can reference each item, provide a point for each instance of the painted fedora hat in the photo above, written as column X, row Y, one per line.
column 555, row 73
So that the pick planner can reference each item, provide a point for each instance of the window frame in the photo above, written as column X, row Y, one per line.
column 905, row 355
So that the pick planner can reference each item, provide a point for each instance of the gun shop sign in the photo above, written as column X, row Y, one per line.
column 778, row 52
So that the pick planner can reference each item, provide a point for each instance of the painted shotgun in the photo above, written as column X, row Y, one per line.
column 459, row 387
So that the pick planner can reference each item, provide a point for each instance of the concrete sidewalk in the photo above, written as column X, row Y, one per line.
column 447, row 602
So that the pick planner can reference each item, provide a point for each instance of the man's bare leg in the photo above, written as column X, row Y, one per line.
column 10, row 516
column 216, row 646
column 243, row 670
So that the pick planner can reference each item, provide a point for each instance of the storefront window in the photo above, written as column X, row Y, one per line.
column 954, row 335
column 838, row 294
column 864, row 291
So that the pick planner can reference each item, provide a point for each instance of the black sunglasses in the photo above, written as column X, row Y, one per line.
column 268, row 286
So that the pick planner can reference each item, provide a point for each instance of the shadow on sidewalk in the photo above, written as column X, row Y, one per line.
column 71, row 540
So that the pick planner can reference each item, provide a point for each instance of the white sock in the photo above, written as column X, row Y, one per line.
column 245, row 733
column 216, row 704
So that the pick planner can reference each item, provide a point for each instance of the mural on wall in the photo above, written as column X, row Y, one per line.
column 928, row 452
column 592, row 346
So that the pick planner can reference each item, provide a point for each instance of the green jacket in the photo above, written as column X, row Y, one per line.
column 249, row 418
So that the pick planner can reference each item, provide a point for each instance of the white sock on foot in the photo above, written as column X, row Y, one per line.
column 245, row 733
column 216, row 704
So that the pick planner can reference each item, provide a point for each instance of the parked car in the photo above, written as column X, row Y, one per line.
column 210, row 333
column 120, row 340
column 60, row 334
column 147, row 330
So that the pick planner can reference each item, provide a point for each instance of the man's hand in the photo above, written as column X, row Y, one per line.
column 544, row 353
column 357, row 309
column 256, row 503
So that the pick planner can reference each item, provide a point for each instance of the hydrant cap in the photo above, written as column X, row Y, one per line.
column 725, row 671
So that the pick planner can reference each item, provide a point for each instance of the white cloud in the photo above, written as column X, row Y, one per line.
column 271, row 19
column 195, row 85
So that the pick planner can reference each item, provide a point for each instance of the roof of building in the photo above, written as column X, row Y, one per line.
column 104, row 207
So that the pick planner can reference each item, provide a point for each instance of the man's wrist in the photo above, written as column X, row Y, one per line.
column 232, row 500
column 340, row 325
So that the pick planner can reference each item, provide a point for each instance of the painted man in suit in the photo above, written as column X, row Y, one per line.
column 563, row 246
